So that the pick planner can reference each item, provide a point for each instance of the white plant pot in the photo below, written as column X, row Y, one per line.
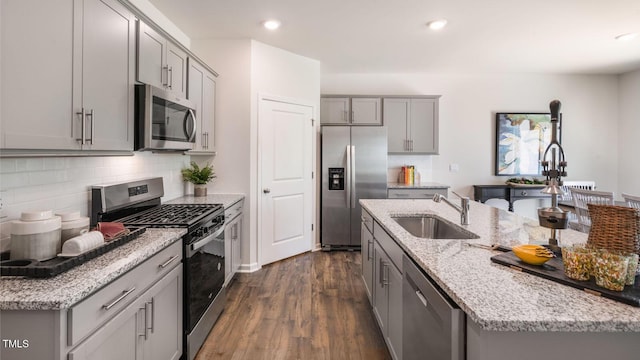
column 188, row 188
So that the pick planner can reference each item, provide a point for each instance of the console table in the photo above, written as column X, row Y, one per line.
column 511, row 193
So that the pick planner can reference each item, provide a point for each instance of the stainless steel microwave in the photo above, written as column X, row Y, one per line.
column 163, row 121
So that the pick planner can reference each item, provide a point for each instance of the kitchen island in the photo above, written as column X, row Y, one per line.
column 507, row 310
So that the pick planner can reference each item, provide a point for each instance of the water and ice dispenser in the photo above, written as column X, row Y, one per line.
column 336, row 178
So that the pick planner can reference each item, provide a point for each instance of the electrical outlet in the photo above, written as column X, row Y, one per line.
column 454, row 168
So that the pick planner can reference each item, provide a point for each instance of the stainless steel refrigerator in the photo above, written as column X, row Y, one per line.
column 354, row 167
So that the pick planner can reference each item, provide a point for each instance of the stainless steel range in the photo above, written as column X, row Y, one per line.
column 137, row 203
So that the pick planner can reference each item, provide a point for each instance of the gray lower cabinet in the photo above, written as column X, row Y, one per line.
column 136, row 316
column 149, row 328
column 412, row 125
column 387, row 293
column 81, row 97
column 233, row 239
column 202, row 92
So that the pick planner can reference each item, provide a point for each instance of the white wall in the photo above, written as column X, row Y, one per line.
column 232, row 60
column 248, row 68
column 64, row 183
column 629, row 134
column 467, row 118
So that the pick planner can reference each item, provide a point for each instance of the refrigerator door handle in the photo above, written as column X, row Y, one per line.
column 353, row 176
column 348, row 176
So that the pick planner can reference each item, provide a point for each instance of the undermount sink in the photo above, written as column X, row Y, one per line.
column 432, row 227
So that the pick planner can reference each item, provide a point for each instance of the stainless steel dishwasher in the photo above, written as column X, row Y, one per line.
column 433, row 326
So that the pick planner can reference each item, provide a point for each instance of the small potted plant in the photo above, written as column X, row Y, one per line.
column 199, row 177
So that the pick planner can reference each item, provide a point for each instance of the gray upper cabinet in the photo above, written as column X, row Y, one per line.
column 350, row 111
column 202, row 92
column 334, row 111
column 160, row 62
column 81, row 96
column 32, row 117
column 107, row 83
column 366, row 111
column 412, row 124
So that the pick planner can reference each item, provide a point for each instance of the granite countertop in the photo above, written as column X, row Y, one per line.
column 495, row 296
column 225, row 199
column 70, row 287
column 66, row 289
column 421, row 185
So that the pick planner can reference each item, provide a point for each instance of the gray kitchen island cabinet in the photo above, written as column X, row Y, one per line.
column 387, row 290
column 161, row 63
column 80, row 97
column 412, row 124
column 202, row 92
column 367, row 253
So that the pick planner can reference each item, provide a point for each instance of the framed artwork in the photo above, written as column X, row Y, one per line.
column 521, row 139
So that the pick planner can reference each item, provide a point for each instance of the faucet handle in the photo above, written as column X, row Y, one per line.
column 460, row 196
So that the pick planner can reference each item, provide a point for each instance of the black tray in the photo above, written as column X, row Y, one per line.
column 554, row 270
column 57, row 265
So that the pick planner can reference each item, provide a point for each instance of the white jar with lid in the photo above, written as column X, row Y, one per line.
column 72, row 224
column 36, row 236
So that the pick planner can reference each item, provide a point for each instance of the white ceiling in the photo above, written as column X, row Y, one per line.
column 390, row 36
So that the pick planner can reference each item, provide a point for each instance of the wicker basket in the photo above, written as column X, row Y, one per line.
column 615, row 228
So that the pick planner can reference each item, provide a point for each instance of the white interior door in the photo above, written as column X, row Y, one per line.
column 286, row 205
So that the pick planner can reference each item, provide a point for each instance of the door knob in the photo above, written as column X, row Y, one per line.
column 266, row 190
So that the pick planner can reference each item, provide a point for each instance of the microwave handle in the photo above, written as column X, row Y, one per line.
column 190, row 115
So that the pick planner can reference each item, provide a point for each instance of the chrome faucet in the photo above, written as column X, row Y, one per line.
column 463, row 209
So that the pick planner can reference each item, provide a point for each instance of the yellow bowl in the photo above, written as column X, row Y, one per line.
column 527, row 253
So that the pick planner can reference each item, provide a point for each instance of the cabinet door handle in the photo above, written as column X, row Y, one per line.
column 143, row 322
column 82, row 127
column 421, row 297
column 165, row 70
column 118, row 299
column 149, row 311
column 381, row 273
column 170, row 77
column 166, row 263
column 385, row 279
column 92, row 128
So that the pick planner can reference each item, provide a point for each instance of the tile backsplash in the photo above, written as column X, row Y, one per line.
column 63, row 183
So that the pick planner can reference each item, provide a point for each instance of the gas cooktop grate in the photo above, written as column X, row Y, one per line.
column 172, row 214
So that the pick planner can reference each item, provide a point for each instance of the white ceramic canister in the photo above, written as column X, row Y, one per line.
column 36, row 236
column 72, row 224
column 82, row 243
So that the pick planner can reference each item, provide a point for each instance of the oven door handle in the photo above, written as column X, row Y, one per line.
column 200, row 243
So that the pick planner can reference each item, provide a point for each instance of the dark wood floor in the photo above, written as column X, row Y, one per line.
column 312, row 306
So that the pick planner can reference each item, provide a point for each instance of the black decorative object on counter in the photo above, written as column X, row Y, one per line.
column 554, row 270
column 57, row 265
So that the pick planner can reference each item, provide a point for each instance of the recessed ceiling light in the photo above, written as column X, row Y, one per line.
column 437, row 24
column 271, row 24
column 626, row 37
